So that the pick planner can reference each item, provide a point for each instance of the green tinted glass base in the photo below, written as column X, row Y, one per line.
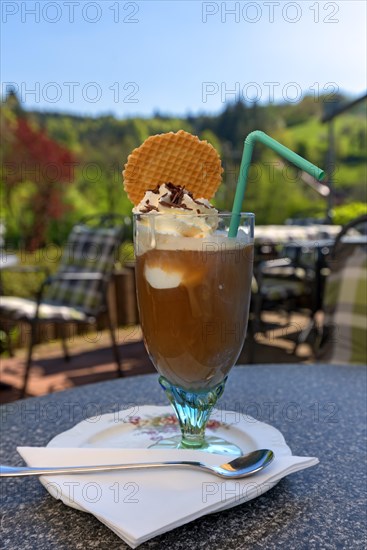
column 211, row 444
column 193, row 409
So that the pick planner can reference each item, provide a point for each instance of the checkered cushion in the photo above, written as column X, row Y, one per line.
column 88, row 250
column 345, row 305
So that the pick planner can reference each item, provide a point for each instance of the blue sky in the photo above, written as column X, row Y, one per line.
column 178, row 57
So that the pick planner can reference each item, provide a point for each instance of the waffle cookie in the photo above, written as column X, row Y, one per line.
column 179, row 158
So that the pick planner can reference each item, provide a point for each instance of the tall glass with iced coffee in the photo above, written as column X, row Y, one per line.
column 193, row 288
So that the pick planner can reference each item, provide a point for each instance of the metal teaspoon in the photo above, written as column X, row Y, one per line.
column 241, row 466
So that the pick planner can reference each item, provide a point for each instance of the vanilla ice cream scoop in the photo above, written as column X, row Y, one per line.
column 188, row 217
column 159, row 278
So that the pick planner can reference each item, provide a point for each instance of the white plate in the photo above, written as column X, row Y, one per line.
column 140, row 427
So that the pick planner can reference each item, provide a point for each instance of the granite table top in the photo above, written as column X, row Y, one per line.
column 321, row 411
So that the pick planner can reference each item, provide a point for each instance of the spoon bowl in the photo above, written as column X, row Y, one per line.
column 241, row 466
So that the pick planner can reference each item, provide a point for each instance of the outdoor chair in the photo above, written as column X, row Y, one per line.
column 77, row 292
column 344, row 330
column 284, row 284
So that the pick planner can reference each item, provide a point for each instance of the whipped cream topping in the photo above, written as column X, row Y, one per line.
column 188, row 217
column 171, row 220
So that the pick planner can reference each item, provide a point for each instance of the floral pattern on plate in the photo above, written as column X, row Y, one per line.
column 157, row 427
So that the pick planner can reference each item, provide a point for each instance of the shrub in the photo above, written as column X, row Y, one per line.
column 347, row 212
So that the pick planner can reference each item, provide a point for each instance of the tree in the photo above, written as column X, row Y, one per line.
column 35, row 159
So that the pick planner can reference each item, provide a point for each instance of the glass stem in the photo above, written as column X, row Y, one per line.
column 193, row 410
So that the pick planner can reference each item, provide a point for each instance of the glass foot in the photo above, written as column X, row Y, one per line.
column 193, row 409
column 210, row 444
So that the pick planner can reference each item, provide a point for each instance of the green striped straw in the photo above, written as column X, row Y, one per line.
column 283, row 151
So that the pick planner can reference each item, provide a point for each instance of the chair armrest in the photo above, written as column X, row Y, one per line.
column 281, row 262
column 75, row 276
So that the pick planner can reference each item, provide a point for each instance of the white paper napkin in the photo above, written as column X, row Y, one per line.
column 141, row 504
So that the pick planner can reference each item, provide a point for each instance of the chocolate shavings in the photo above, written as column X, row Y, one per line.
column 149, row 208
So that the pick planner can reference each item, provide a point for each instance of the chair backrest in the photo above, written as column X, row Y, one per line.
column 90, row 249
column 356, row 227
column 345, row 298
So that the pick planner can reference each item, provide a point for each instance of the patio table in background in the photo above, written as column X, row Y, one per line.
column 320, row 409
column 269, row 239
column 282, row 234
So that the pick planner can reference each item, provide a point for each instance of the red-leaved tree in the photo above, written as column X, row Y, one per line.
column 34, row 157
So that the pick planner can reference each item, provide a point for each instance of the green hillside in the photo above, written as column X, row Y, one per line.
column 100, row 146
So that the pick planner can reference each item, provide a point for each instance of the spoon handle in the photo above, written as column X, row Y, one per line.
column 11, row 471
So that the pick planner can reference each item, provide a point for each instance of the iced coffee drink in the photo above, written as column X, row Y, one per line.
column 193, row 280
column 193, row 287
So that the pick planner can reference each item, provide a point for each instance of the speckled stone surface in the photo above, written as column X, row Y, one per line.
column 321, row 411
